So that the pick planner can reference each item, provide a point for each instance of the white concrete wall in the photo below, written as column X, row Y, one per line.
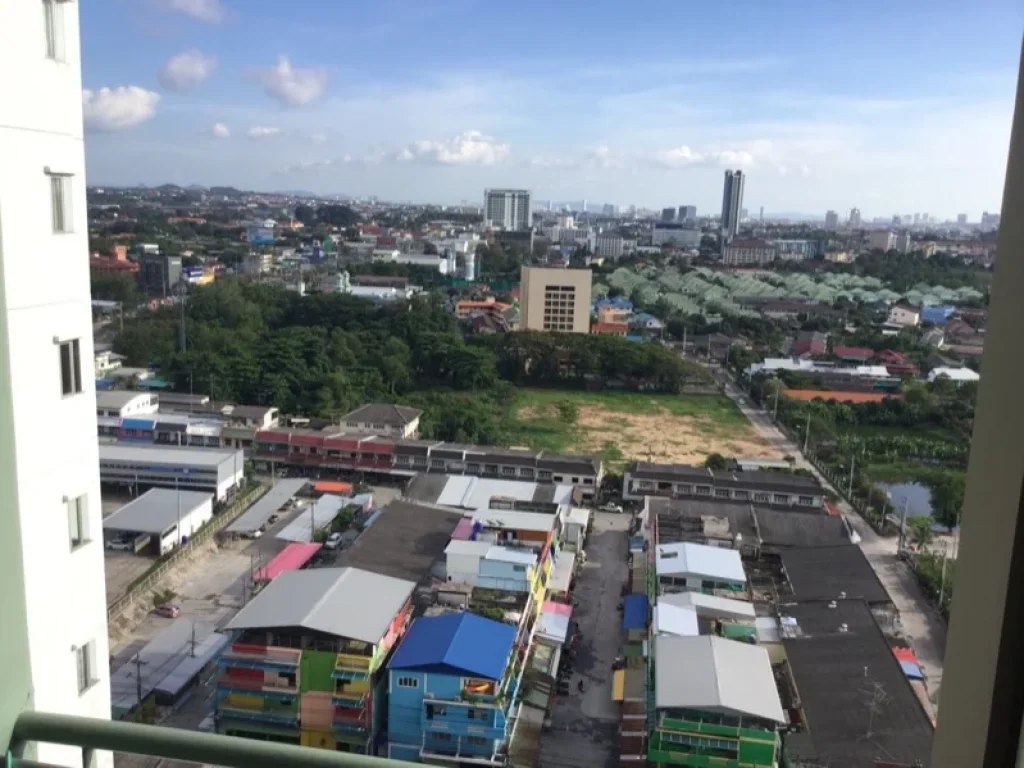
column 53, row 598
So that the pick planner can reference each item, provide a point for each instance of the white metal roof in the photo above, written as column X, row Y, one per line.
column 710, row 606
column 156, row 510
column 178, row 457
column 561, row 574
column 468, row 548
column 344, row 602
column 686, row 558
column 256, row 516
column 523, row 521
column 312, row 518
column 672, row 620
column 955, row 374
column 205, row 652
column 579, row 516
column 715, row 674
column 119, row 398
column 507, row 555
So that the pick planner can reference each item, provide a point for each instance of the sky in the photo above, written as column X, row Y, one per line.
column 892, row 107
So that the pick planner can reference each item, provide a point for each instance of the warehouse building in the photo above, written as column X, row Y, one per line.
column 219, row 472
column 159, row 520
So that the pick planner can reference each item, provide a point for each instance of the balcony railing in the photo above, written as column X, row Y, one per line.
column 92, row 735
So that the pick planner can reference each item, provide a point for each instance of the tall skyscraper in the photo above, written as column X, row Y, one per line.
column 732, row 204
column 53, row 600
column 854, row 218
column 507, row 208
column 687, row 214
column 961, row 218
column 760, row 215
column 831, row 220
column 668, row 214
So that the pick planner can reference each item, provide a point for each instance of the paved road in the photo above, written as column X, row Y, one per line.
column 584, row 727
column 922, row 625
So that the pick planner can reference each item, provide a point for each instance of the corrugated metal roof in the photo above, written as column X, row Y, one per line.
column 156, row 510
column 256, row 516
column 205, row 652
column 456, row 644
column 344, row 602
column 561, row 574
column 710, row 606
column 715, row 674
column 673, row 620
column 511, row 520
column 291, row 558
column 321, row 513
column 178, row 457
column 686, row 558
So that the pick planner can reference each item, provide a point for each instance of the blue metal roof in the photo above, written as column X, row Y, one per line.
column 634, row 612
column 456, row 644
column 130, row 423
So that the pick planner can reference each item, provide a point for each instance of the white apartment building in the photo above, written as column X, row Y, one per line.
column 507, row 208
column 53, row 601
column 612, row 246
column 883, row 240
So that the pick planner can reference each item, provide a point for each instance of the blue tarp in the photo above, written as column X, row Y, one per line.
column 634, row 612
column 911, row 670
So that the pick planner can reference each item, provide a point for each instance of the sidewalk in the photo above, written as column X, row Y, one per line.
column 922, row 625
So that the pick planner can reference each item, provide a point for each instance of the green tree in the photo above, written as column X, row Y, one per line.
column 920, row 531
column 947, row 497
column 717, row 462
column 305, row 214
column 568, row 411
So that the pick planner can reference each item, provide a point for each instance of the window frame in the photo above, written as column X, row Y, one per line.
column 77, row 508
column 61, row 181
column 85, row 666
column 54, row 28
column 71, row 379
column 404, row 681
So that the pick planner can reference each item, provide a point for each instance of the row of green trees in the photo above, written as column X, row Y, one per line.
column 323, row 355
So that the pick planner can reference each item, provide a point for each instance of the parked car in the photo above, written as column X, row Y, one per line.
column 121, row 545
column 168, row 610
column 333, row 541
column 609, row 507
column 273, row 518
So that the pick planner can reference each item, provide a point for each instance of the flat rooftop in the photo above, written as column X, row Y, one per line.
column 826, row 573
column 691, row 520
column 838, row 674
column 786, row 528
column 156, row 510
column 256, row 516
column 404, row 541
column 145, row 454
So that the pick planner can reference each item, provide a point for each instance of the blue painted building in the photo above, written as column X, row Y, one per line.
column 452, row 686
column 936, row 315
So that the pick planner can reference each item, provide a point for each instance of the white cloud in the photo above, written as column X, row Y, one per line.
column 318, row 138
column 117, row 109
column 186, row 70
column 468, row 148
column 210, row 11
column 264, row 132
column 220, row 131
column 292, row 86
column 678, row 157
column 683, row 156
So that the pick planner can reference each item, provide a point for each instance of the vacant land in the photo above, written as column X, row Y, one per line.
column 628, row 426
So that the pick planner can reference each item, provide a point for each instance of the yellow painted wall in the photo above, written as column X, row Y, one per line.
column 318, row 739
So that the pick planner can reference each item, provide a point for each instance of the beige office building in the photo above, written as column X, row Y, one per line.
column 555, row 300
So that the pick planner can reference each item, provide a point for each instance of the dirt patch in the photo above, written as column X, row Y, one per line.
column 656, row 436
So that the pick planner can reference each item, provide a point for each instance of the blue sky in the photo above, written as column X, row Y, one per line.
column 891, row 107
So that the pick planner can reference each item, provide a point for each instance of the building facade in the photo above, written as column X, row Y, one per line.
column 680, row 481
column 555, row 300
column 54, row 644
column 681, row 235
column 732, row 204
column 687, row 214
column 159, row 273
column 507, row 208
column 746, row 252
column 831, row 220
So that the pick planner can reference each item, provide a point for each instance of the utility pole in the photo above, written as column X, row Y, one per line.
column 138, row 679
column 807, row 433
column 177, row 498
column 775, row 410
column 849, row 488
column 684, row 340
column 942, row 579
column 903, row 526
column 193, row 639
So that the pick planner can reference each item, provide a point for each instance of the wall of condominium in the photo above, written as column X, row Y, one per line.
column 555, row 300
column 51, row 553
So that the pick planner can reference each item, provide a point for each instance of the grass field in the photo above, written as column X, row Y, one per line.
column 628, row 426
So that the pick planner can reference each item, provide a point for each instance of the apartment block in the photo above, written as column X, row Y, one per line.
column 555, row 300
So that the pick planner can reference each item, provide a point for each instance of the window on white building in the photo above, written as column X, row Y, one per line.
column 53, row 20
column 70, row 368
column 78, row 522
column 85, row 661
column 60, row 202
column 408, row 682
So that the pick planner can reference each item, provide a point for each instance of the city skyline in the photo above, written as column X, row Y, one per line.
column 175, row 92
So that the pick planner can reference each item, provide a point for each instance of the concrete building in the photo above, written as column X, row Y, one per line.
column 831, row 220
column 126, row 403
column 687, row 214
column 680, row 235
column 200, row 469
column 882, row 240
column 159, row 273
column 453, row 683
column 778, row 489
column 796, row 249
column 746, row 252
column 159, row 520
column 555, row 300
column 383, row 419
column 732, row 204
column 609, row 245
column 507, row 208
column 903, row 315
column 854, row 218
column 54, row 642
column 668, row 214
column 961, row 219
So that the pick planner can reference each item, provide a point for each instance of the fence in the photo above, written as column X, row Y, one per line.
column 164, row 564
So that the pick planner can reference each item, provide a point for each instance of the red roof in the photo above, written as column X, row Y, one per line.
column 858, row 353
column 890, row 356
column 621, row 328
column 840, row 397
column 291, row 558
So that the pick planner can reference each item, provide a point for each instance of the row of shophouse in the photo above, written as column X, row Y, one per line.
column 418, row 642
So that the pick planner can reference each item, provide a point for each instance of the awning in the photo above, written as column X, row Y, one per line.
column 634, row 612
column 618, row 685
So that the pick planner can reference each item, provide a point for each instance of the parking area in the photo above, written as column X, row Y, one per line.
column 584, row 725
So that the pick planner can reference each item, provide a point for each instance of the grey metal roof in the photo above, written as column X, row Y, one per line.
column 205, row 652
column 156, row 510
column 343, row 602
column 117, row 398
column 383, row 413
column 177, row 457
column 715, row 674
column 826, row 573
column 256, row 516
